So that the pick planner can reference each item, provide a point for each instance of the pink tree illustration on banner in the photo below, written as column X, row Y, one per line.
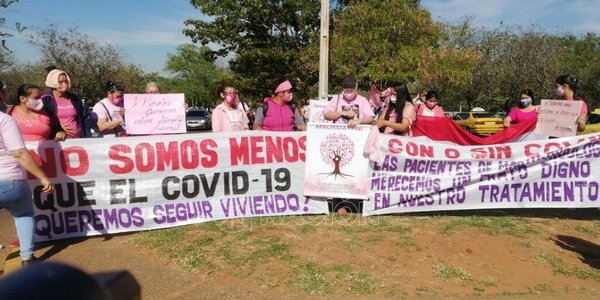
column 337, row 150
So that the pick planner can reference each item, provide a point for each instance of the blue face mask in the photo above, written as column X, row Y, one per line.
column 526, row 102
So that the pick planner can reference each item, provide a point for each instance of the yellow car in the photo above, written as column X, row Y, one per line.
column 480, row 123
column 593, row 122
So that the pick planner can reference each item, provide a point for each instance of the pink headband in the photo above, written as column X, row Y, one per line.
column 284, row 86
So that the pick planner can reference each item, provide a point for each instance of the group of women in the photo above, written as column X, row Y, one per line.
column 400, row 112
column 35, row 115
column 567, row 88
column 397, row 116
column 58, row 114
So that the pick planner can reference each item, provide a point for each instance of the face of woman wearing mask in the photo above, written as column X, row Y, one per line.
column 229, row 95
column 33, row 101
column 349, row 94
column 116, row 97
column 525, row 100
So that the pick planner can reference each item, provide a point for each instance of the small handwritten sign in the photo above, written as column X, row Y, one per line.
column 558, row 117
column 154, row 113
column 316, row 110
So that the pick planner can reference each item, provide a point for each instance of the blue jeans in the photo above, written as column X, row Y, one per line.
column 15, row 197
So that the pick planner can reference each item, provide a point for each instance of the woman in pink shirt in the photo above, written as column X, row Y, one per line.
column 524, row 111
column 34, row 123
column 569, row 88
column 400, row 114
column 15, row 195
column 226, row 116
column 430, row 108
column 59, row 101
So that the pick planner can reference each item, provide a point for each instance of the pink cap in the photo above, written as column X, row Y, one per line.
column 284, row 86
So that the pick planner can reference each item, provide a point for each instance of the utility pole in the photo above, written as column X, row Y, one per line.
column 324, row 51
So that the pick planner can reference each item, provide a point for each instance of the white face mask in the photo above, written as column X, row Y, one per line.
column 559, row 91
column 35, row 105
column 393, row 99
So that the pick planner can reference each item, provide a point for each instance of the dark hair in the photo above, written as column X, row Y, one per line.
column 527, row 92
column 113, row 87
column 221, row 87
column 402, row 97
column 574, row 85
column 24, row 90
column 431, row 94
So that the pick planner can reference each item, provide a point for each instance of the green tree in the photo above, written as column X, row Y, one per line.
column 90, row 64
column 267, row 39
column 18, row 74
column 378, row 40
column 448, row 68
column 196, row 74
column 582, row 59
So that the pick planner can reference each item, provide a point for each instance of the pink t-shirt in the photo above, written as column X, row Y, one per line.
column 67, row 115
column 10, row 140
column 518, row 116
column 423, row 110
column 225, row 120
column 360, row 105
column 407, row 114
column 584, row 109
column 33, row 126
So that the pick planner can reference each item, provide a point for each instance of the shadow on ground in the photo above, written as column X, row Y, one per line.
column 589, row 251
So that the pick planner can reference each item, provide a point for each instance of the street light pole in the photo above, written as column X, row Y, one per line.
column 324, row 51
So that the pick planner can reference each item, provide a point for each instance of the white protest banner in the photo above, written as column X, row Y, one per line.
column 558, row 117
column 412, row 176
column 335, row 164
column 106, row 186
column 154, row 113
column 316, row 111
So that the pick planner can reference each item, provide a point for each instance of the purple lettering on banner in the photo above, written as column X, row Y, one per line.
column 98, row 224
column 85, row 220
column 159, row 214
column 124, row 218
column 136, row 217
column 71, row 221
column 538, row 192
column 593, row 191
column 43, row 226
column 57, row 223
column 241, row 205
column 556, row 191
column 261, row 205
column 169, row 211
column 293, row 202
column 381, row 200
column 280, row 203
column 110, row 218
column 178, row 212
column 226, row 207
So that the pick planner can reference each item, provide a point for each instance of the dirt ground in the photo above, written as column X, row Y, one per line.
column 546, row 255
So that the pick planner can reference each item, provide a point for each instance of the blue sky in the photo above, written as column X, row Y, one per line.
column 147, row 30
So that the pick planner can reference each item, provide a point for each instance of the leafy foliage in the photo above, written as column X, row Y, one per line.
column 195, row 74
column 382, row 40
column 267, row 39
column 90, row 64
